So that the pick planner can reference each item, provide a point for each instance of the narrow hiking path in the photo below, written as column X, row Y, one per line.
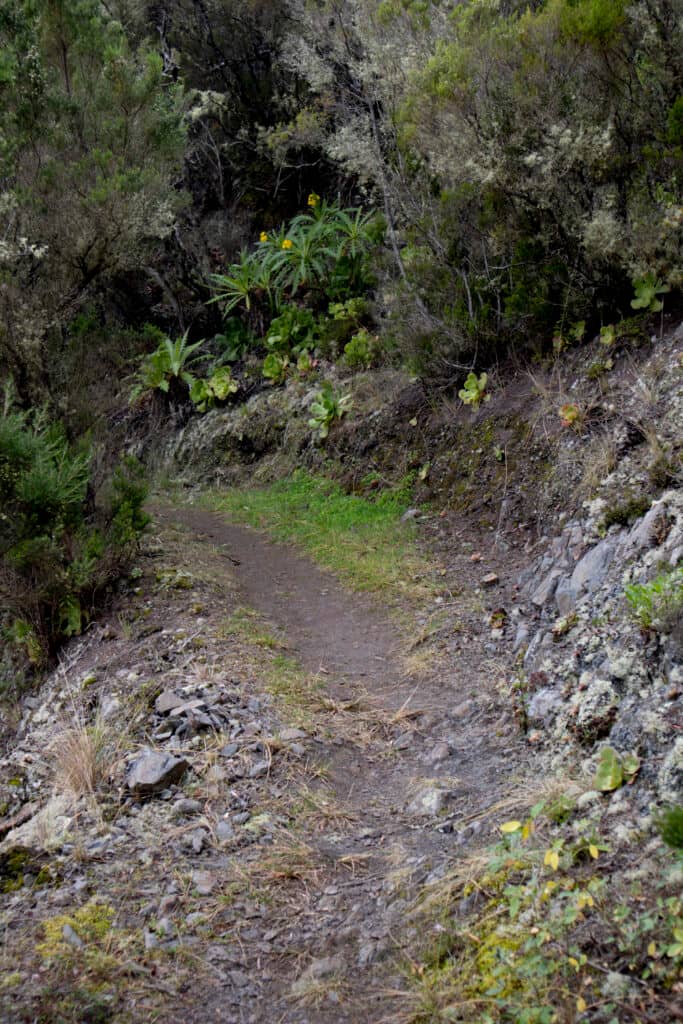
column 412, row 790
column 341, row 753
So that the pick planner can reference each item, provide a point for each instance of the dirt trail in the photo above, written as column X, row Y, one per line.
column 338, row 758
column 453, row 754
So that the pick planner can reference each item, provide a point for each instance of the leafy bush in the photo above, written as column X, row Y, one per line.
column 362, row 350
column 293, row 331
column 205, row 392
column 58, row 551
column 474, row 390
column 167, row 369
column 670, row 825
column 324, row 252
column 326, row 408
column 552, row 132
column 658, row 605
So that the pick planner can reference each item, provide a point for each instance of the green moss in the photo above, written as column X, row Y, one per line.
column 13, row 866
column 626, row 512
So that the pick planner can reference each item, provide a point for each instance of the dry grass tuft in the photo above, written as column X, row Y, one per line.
column 85, row 756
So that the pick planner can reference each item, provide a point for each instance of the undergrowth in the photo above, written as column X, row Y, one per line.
column 552, row 925
column 362, row 541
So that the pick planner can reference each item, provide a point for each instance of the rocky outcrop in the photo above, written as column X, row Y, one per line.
column 592, row 671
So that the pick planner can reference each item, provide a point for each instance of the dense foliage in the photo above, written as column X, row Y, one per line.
column 60, row 543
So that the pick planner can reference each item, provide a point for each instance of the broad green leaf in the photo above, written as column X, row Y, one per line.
column 609, row 775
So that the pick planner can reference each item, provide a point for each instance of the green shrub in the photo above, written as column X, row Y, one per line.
column 205, row 392
column 658, row 605
column 670, row 825
column 362, row 350
column 58, row 549
column 323, row 253
column 293, row 331
column 167, row 368
column 327, row 407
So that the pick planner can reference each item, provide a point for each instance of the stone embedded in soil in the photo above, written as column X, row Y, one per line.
column 325, row 967
column 292, row 734
column 167, row 701
column 429, row 801
column 154, row 771
column 185, row 806
column 204, row 882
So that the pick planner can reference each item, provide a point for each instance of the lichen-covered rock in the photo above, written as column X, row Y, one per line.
column 543, row 707
column 670, row 778
column 596, row 708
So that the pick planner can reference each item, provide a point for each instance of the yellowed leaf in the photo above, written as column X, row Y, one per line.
column 552, row 859
column 511, row 826
column 652, row 949
column 581, row 1005
column 593, row 850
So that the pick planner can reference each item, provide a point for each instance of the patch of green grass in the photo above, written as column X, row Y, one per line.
column 248, row 625
column 286, row 680
column 362, row 541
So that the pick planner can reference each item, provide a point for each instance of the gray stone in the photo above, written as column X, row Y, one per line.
column 199, row 838
column 186, row 806
column 154, row 771
column 641, row 536
column 545, row 590
column 589, row 572
column 224, row 831
column 292, row 734
column 597, row 708
column 167, row 701
column 204, row 882
column 592, row 796
column 565, row 596
column 543, row 707
column 439, row 752
column 258, row 770
column 429, row 801
column 72, row 937
column 670, row 777
column 521, row 637
column 318, row 970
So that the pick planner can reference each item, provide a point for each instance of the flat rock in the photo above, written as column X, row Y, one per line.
column 325, row 967
column 154, row 771
column 590, row 571
column 545, row 590
column 204, row 882
column 429, row 802
column 167, row 701
column 292, row 734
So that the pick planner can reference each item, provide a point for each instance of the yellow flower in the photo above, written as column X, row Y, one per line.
column 263, row 236
column 313, row 199
column 287, row 244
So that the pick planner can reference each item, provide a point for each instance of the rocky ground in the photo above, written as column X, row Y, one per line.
column 248, row 794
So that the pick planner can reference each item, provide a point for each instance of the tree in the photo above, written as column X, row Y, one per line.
column 91, row 140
